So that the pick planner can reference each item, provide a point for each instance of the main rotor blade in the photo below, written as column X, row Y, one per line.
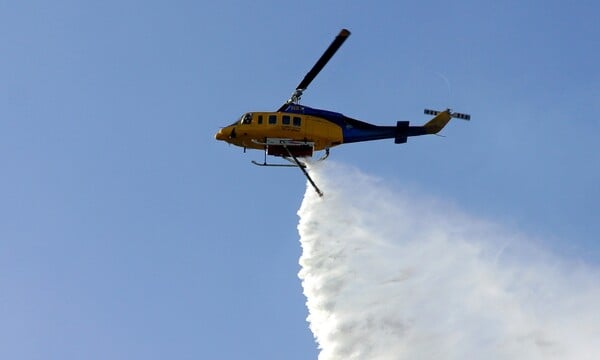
column 327, row 55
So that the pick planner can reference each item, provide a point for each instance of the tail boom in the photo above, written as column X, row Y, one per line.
column 358, row 131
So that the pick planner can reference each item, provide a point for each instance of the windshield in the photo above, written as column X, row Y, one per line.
column 246, row 118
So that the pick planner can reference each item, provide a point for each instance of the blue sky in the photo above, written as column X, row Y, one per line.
column 127, row 231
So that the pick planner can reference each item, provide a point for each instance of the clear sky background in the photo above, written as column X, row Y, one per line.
column 127, row 231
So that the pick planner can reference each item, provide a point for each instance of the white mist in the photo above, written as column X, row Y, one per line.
column 393, row 275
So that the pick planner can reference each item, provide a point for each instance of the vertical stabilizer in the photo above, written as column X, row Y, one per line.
column 438, row 122
column 441, row 119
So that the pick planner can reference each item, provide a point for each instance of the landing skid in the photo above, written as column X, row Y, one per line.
column 324, row 156
column 273, row 165
column 265, row 163
column 295, row 163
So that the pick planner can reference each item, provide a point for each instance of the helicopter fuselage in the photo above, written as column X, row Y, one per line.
column 323, row 129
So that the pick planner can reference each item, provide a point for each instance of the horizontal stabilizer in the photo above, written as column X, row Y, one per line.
column 401, row 132
column 452, row 114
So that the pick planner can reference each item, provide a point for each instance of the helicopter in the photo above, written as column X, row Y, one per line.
column 297, row 131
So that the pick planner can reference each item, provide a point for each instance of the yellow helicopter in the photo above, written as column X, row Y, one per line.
column 297, row 131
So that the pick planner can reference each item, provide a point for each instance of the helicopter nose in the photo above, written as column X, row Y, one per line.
column 225, row 134
column 220, row 135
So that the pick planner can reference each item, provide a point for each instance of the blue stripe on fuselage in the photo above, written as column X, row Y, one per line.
column 377, row 133
column 353, row 130
column 334, row 117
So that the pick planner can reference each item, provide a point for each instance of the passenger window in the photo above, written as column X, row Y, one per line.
column 297, row 121
column 260, row 119
column 285, row 120
column 272, row 119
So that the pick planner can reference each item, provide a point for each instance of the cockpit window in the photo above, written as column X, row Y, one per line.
column 246, row 118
